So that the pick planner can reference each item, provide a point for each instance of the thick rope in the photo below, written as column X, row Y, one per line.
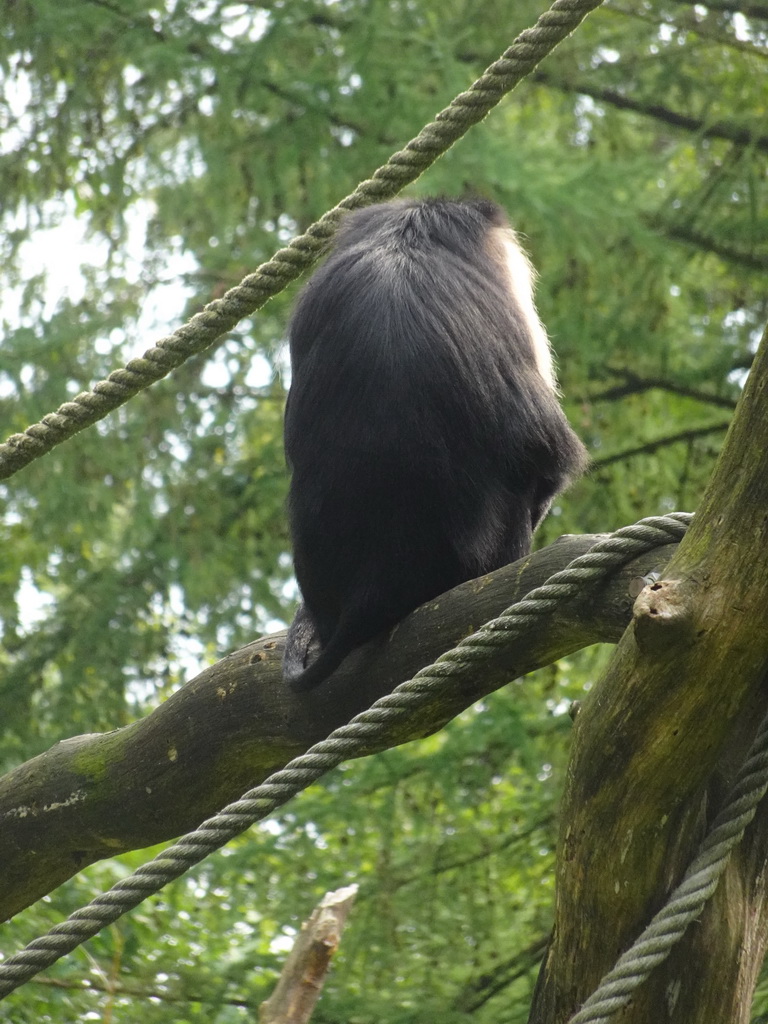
column 687, row 901
column 221, row 315
column 428, row 685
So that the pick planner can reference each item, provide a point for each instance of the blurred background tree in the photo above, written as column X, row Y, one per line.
column 152, row 155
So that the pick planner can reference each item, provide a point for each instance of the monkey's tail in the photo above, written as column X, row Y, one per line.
column 308, row 678
column 301, row 645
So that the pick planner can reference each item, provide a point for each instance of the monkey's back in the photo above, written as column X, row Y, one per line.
column 419, row 431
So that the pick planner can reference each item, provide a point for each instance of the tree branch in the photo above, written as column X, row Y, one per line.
column 635, row 384
column 662, row 442
column 738, row 135
column 94, row 796
column 708, row 243
column 477, row 992
column 748, row 10
column 306, row 969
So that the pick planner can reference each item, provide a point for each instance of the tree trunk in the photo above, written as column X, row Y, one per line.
column 656, row 745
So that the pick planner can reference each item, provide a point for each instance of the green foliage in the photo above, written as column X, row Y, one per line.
column 153, row 155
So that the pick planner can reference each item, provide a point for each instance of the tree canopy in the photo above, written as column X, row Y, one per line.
column 149, row 158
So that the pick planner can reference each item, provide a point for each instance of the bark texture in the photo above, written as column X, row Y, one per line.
column 655, row 747
column 229, row 728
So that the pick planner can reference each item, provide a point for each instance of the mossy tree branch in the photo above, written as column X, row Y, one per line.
column 229, row 728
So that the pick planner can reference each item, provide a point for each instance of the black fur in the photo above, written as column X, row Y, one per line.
column 425, row 445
